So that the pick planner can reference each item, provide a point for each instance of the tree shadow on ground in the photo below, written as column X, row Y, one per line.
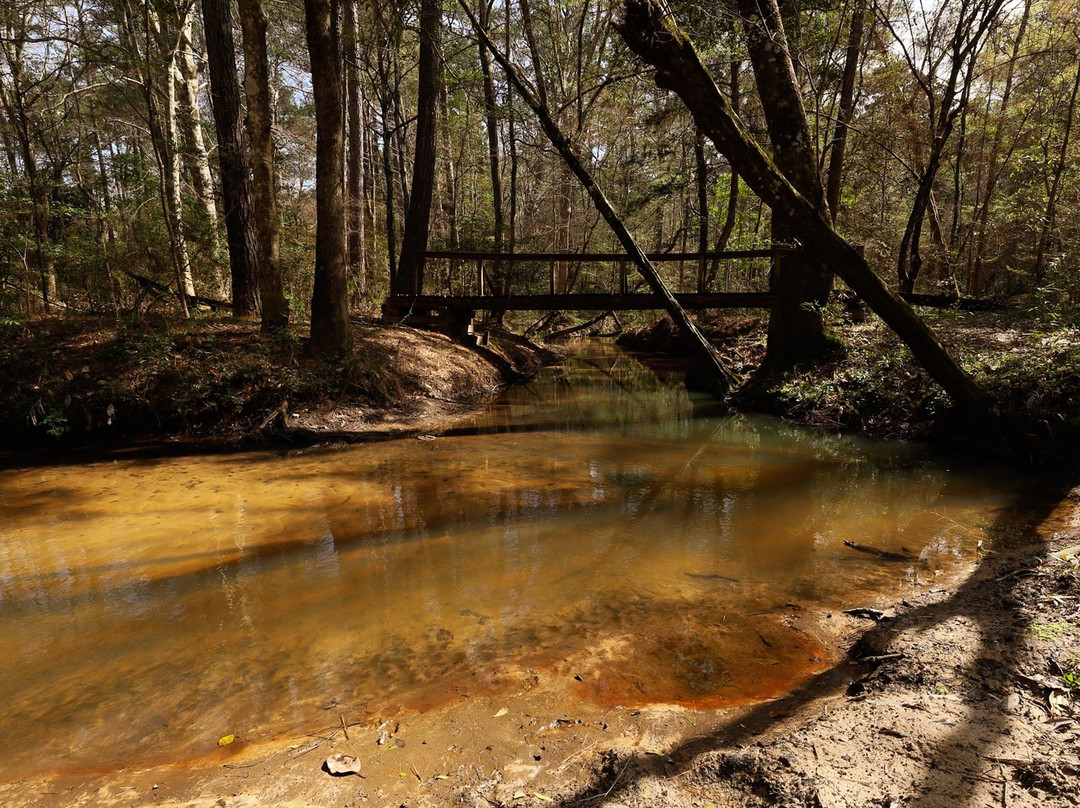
column 991, row 604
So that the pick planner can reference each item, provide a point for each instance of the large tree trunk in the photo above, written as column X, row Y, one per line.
column 800, row 280
column 330, row 329
column 275, row 310
column 235, row 182
column 410, row 274
column 653, row 35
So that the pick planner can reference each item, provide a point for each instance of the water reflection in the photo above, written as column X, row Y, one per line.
column 600, row 519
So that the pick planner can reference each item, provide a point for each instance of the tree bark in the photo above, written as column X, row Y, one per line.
column 801, row 281
column 355, row 170
column 846, row 110
column 410, row 274
column 196, row 158
column 655, row 37
column 232, row 153
column 275, row 309
column 330, row 329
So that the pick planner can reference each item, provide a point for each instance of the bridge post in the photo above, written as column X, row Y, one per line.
column 480, row 277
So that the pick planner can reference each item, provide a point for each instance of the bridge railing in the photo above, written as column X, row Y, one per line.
column 474, row 276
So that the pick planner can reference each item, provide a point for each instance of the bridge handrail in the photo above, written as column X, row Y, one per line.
column 515, row 257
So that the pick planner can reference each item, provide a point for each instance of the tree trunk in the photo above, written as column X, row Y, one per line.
column 846, row 109
column 232, row 147
column 492, row 124
column 967, row 39
column 701, row 174
column 18, row 114
column 974, row 279
column 330, row 328
column 354, row 102
column 410, row 274
column 196, row 158
column 275, row 309
column 800, row 281
column 721, row 377
column 1038, row 270
column 653, row 35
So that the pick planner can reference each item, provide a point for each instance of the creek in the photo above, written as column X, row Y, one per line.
column 599, row 521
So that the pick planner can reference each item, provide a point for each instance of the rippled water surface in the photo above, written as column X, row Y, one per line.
column 149, row 607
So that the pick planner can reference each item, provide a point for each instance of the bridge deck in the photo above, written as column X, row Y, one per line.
column 576, row 302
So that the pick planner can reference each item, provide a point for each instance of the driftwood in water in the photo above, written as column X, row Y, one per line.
column 874, row 551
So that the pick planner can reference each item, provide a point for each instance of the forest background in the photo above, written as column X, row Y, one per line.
column 292, row 158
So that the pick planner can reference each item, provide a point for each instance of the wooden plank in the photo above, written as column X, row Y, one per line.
column 594, row 258
column 581, row 302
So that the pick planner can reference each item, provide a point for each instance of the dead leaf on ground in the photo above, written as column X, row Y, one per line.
column 339, row 765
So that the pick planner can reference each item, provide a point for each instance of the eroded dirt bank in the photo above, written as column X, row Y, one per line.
column 78, row 382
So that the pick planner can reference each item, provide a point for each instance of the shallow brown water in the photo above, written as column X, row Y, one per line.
column 608, row 524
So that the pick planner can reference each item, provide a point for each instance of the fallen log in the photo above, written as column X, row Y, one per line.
column 874, row 551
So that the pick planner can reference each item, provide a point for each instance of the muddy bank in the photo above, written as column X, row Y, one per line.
column 219, row 383
column 1030, row 368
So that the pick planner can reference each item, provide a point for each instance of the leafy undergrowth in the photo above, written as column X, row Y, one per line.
column 1031, row 369
column 78, row 379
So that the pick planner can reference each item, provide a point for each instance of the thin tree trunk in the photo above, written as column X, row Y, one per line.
column 232, row 154
column 15, row 107
column 196, row 158
column 974, row 280
column 846, row 109
column 653, row 35
column 410, row 274
column 330, row 329
column 354, row 102
column 1038, row 269
column 702, row 177
column 492, row 124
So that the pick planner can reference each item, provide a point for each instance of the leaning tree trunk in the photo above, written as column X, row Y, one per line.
column 654, row 36
column 330, row 329
column 800, row 281
column 232, row 153
column 275, row 310
column 722, row 379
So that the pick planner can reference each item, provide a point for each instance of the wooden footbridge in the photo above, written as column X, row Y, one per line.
column 474, row 289
column 477, row 289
